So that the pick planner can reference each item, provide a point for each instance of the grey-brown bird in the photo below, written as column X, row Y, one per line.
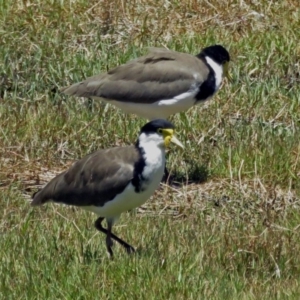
column 109, row 182
column 159, row 84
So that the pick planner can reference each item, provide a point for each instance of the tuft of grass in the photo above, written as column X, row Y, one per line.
column 228, row 226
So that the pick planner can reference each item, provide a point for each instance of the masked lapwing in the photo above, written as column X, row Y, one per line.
column 109, row 182
column 159, row 84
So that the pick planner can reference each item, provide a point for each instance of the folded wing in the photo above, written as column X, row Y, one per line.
column 93, row 180
column 161, row 74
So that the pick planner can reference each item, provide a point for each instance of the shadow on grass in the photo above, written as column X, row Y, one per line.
column 196, row 174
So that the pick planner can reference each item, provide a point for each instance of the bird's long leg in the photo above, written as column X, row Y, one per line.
column 109, row 242
column 98, row 225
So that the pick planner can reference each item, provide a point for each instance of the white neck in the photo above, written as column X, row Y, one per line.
column 218, row 69
column 154, row 154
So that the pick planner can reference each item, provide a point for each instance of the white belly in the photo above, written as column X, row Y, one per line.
column 160, row 109
column 127, row 200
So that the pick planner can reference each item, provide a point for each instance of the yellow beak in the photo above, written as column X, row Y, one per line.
column 169, row 136
column 175, row 141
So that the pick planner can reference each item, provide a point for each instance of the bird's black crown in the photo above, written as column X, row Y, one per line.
column 154, row 125
column 216, row 52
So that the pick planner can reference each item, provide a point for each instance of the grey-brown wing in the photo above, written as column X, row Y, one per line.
column 93, row 180
column 162, row 74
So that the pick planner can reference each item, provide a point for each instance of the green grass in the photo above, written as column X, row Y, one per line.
column 229, row 230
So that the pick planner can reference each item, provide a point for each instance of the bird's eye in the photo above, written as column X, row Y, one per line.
column 159, row 130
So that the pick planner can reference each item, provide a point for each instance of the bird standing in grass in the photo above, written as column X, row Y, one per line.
column 109, row 182
column 159, row 84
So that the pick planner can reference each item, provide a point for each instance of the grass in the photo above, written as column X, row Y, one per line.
column 229, row 230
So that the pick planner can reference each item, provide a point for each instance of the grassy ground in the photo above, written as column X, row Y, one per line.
column 229, row 230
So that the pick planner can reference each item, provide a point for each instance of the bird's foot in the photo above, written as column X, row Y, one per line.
column 130, row 249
